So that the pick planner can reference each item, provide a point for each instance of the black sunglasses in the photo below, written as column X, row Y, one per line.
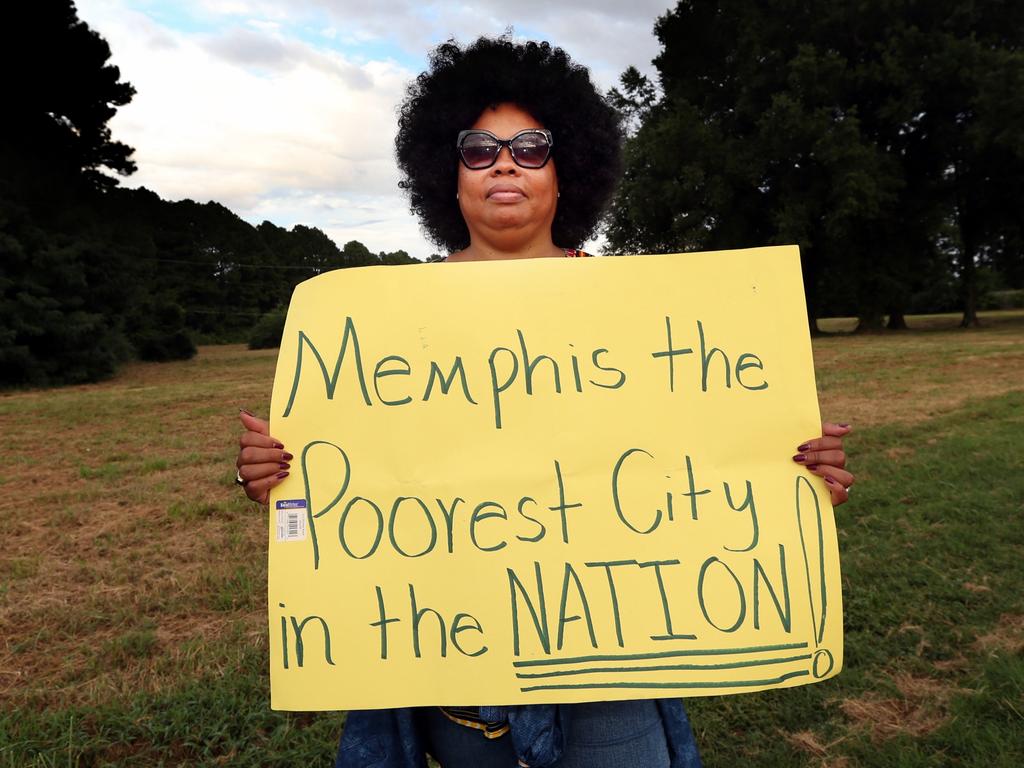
column 480, row 149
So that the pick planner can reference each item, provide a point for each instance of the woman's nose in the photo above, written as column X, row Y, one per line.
column 504, row 161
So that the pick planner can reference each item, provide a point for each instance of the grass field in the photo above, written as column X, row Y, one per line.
column 132, row 627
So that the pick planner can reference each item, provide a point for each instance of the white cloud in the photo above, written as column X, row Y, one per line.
column 286, row 111
column 261, row 123
column 606, row 35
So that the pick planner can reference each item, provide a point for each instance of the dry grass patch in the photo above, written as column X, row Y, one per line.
column 809, row 743
column 129, row 557
column 920, row 709
column 908, row 377
column 1007, row 637
column 956, row 664
column 976, row 589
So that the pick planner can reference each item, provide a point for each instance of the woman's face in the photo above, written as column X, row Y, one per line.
column 506, row 203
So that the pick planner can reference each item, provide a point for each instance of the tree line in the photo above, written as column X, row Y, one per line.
column 884, row 137
column 92, row 274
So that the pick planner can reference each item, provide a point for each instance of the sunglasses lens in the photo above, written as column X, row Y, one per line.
column 479, row 150
column 531, row 149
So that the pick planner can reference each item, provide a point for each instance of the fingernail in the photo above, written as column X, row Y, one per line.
column 804, row 447
column 812, row 466
column 284, row 465
column 282, row 475
column 286, row 456
column 845, row 426
column 246, row 411
column 278, row 445
column 828, row 480
column 800, row 458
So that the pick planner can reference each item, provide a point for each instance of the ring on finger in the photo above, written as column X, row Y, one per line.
column 239, row 480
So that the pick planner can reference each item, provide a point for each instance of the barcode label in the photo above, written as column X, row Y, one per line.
column 291, row 520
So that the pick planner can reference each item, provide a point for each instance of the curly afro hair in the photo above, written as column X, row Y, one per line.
column 460, row 84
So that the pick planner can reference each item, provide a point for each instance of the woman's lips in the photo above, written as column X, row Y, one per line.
column 505, row 193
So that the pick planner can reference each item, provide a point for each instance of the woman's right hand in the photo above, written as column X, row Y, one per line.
column 262, row 461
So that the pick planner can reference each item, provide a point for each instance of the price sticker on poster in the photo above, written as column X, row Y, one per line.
column 550, row 480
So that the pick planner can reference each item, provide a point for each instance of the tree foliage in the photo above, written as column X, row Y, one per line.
column 92, row 274
column 883, row 137
column 64, row 90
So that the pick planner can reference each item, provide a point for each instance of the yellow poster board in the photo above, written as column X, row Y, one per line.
column 549, row 480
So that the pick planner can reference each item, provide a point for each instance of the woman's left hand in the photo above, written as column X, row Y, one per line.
column 824, row 456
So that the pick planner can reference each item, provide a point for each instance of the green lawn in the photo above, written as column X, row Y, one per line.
column 933, row 575
column 132, row 616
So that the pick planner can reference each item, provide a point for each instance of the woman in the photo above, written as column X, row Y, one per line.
column 509, row 152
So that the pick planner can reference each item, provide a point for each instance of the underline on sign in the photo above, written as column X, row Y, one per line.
column 660, row 655
column 716, row 684
column 665, row 667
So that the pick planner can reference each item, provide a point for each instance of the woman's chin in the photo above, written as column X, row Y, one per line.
column 508, row 218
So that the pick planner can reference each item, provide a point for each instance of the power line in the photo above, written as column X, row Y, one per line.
column 231, row 265
column 193, row 311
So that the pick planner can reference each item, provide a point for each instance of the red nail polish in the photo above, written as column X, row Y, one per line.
column 286, row 456
column 844, row 426
column 247, row 412
column 829, row 480
column 812, row 466
column 282, row 475
column 800, row 458
column 284, row 465
column 804, row 447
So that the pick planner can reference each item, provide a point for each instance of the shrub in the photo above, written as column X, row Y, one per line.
column 267, row 332
column 157, row 331
column 1003, row 299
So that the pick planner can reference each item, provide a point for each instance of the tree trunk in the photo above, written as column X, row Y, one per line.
column 869, row 323
column 809, row 273
column 970, row 292
column 968, row 272
column 897, row 322
column 812, row 323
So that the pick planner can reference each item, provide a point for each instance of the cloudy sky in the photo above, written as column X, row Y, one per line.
column 285, row 109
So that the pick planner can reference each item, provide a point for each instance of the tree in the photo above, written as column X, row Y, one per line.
column 301, row 247
column 857, row 130
column 51, row 329
column 62, row 279
column 355, row 254
column 635, row 100
column 396, row 257
column 748, row 145
column 63, row 92
column 977, row 120
column 91, row 273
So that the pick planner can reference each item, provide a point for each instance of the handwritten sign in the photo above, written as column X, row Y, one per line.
column 549, row 480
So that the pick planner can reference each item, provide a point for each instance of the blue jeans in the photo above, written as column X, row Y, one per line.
column 607, row 734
